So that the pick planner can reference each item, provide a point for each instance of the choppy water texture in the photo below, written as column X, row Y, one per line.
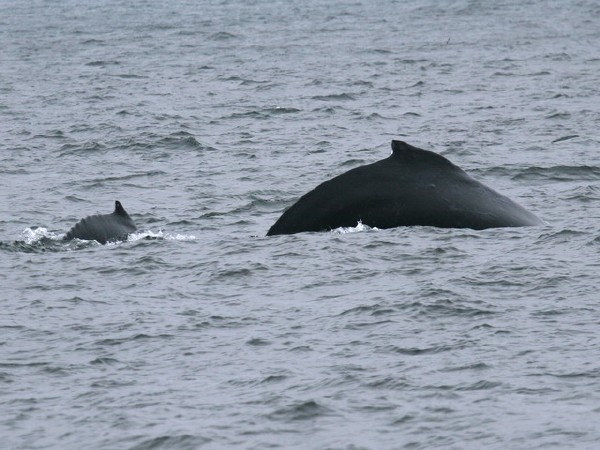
column 206, row 120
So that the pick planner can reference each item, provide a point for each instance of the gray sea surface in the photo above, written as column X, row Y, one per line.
column 207, row 119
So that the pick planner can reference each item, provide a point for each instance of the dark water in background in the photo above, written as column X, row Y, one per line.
column 207, row 119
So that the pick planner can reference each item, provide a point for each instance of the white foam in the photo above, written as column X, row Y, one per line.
column 359, row 228
column 160, row 235
column 36, row 234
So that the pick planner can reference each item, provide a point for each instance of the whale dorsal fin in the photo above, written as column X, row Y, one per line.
column 119, row 209
column 407, row 153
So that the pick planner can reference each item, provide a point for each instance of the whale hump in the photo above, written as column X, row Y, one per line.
column 412, row 187
column 404, row 152
column 103, row 227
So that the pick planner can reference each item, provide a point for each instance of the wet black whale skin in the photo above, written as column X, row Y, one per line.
column 410, row 187
column 103, row 227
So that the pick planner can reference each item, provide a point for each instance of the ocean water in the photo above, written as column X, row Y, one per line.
column 206, row 120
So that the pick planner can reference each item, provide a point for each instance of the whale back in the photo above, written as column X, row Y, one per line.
column 103, row 227
column 411, row 187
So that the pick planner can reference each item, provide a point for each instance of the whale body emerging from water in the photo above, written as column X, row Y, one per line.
column 410, row 187
column 103, row 227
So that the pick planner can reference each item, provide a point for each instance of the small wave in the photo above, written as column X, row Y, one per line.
column 184, row 441
column 102, row 63
column 246, row 115
column 274, row 379
column 100, row 181
column 128, row 76
column 362, row 83
column 467, row 367
column 53, row 134
column 558, row 115
column 325, row 109
column 354, row 162
column 360, row 227
column 257, row 342
column 131, row 338
column 237, row 273
column 503, row 74
column 372, row 310
column 372, row 116
column 249, row 81
column 417, row 84
column 417, row 351
column 180, row 140
column 104, row 361
column 562, row 236
column 300, row 411
column 85, row 148
column 559, row 173
column 222, row 36
column 381, row 51
column 342, row 97
column 565, row 138
column 282, row 110
column 92, row 41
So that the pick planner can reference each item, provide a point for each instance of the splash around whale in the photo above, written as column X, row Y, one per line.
column 410, row 187
column 103, row 227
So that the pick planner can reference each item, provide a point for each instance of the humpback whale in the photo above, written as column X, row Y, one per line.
column 410, row 187
column 103, row 227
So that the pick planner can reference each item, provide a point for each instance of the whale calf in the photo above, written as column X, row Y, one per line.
column 410, row 187
column 103, row 227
